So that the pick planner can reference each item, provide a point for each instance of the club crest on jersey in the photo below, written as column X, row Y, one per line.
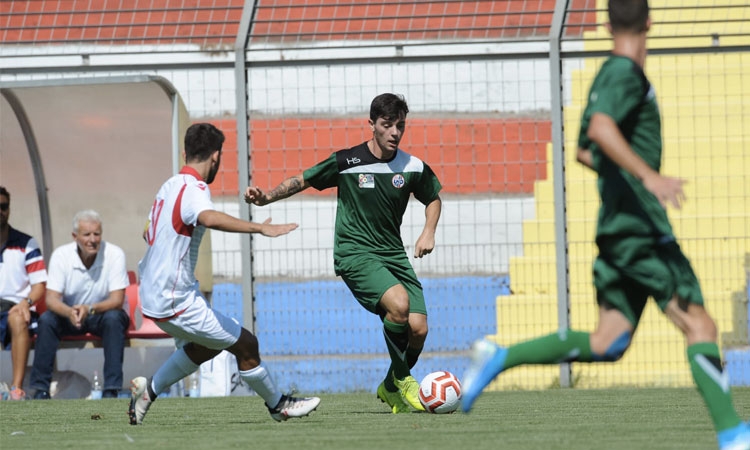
column 366, row 180
column 398, row 181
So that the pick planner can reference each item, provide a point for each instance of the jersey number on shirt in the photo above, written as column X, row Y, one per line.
column 154, row 221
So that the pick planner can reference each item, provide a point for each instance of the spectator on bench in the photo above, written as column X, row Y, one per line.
column 85, row 294
column 22, row 279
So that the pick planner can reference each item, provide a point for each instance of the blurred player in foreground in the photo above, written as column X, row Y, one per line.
column 620, row 139
column 375, row 180
column 169, row 291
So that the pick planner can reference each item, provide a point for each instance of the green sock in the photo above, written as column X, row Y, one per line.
column 397, row 340
column 551, row 349
column 713, row 384
column 412, row 355
column 390, row 386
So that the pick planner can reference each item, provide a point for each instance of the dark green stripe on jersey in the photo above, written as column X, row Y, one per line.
column 372, row 197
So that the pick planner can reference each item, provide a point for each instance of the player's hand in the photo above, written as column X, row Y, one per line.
column 424, row 246
column 76, row 315
column 255, row 196
column 276, row 230
column 21, row 308
column 667, row 190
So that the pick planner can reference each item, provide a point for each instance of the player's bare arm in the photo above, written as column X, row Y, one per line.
column 115, row 300
column 604, row 131
column 583, row 156
column 217, row 220
column 56, row 305
column 426, row 241
column 254, row 195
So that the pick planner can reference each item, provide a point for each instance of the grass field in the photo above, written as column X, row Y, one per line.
column 615, row 419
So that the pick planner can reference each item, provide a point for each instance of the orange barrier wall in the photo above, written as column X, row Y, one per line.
column 468, row 155
column 217, row 23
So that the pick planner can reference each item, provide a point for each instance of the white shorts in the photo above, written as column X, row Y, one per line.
column 202, row 325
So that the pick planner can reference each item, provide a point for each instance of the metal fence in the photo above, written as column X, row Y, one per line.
column 495, row 91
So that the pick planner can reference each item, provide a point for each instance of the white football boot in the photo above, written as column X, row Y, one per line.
column 140, row 400
column 289, row 407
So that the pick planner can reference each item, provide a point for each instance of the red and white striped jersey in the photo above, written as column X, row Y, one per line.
column 21, row 265
column 167, row 270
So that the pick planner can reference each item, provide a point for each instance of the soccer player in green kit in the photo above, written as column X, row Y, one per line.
column 375, row 180
column 620, row 139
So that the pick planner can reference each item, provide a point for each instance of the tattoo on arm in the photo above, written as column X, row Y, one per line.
column 286, row 189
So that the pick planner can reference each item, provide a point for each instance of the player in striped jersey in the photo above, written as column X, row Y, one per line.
column 23, row 276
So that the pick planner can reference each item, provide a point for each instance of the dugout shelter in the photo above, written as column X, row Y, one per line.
column 102, row 143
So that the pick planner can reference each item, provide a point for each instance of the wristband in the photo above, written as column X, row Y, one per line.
column 29, row 301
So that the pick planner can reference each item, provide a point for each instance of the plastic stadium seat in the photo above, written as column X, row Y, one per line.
column 147, row 328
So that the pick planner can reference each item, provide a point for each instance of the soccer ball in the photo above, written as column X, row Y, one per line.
column 440, row 392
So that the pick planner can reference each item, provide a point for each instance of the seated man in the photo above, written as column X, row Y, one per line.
column 85, row 294
column 22, row 279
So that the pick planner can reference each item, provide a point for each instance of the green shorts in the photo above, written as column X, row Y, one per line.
column 368, row 277
column 630, row 270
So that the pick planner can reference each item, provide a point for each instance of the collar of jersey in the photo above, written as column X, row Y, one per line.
column 187, row 170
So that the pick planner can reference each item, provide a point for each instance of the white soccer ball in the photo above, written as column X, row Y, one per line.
column 440, row 392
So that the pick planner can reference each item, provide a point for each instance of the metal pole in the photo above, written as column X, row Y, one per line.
column 558, row 170
column 37, row 168
column 243, row 160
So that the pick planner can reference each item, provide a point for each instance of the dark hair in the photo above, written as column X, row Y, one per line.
column 628, row 15
column 388, row 106
column 201, row 140
column 4, row 192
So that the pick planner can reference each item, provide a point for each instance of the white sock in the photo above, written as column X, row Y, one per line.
column 175, row 368
column 261, row 382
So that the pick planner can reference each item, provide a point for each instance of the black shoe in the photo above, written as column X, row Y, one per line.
column 110, row 393
column 42, row 395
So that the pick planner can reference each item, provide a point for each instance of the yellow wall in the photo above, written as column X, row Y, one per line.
column 701, row 97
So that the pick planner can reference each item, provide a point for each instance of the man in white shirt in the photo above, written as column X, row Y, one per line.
column 180, row 214
column 85, row 294
column 22, row 279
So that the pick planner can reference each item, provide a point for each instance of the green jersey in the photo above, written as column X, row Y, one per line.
column 622, row 91
column 372, row 197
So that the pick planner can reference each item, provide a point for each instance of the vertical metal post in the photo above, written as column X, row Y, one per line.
column 558, row 174
column 243, row 160
column 36, row 166
column 176, row 154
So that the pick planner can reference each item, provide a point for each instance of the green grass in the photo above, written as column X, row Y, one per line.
column 613, row 419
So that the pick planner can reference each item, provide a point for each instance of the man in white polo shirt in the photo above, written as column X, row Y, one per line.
column 85, row 294
column 22, row 279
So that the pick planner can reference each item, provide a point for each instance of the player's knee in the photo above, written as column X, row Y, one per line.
column 398, row 312
column 115, row 318
column 395, row 302
column 16, row 321
column 417, row 337
column 246, row 350
column 48, row 320
column 417, row 327
column 616, row 349
column 702, row 329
